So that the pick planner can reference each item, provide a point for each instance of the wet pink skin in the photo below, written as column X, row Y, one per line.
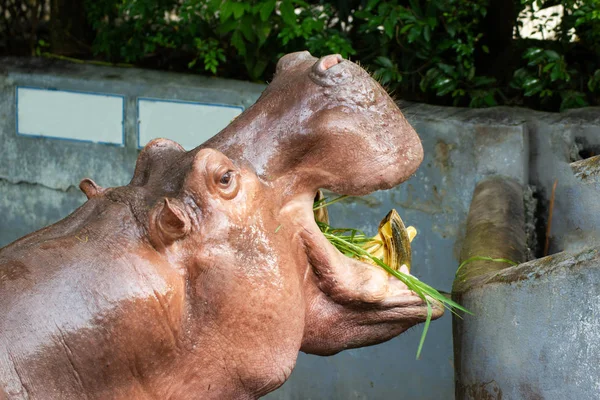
column 206, row 275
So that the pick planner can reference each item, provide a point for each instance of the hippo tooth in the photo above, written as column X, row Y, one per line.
column 321, row 214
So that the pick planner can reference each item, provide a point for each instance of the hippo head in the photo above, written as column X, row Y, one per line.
column 235, row 216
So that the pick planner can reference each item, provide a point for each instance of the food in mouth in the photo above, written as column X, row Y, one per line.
column 391, row 244
column 389, row 249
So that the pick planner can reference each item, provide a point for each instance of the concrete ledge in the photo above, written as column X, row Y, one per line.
column 535, row 332
column 588, row 170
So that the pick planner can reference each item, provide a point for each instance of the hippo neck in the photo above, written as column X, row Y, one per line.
column 75, row 224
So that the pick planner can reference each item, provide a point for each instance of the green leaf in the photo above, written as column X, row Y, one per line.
column 388, row 27
column 531, row 81
column 227, row 26
column 444, row 86
column 458, row 93
column 226, row 10
column 427, row 33
column 385, row 62
column 287, row 12
column 548, row 67
column 414, row 34
column 521, row 73
column 532, row 86
column 431, row 75
column 259, row 68
column 425, row 329
column 371, row 4
column 552, row 55
column 581, row 101
column 532, row 52
column 557, row 73
column 238, row 9
column 447, row 69
column 266, row 9
column 263, row 31
column 416, row 7
column 484, row 81
column 594, row 81
column 471, row 74
column 485, row 49
column 247, row 28
column 490, row 100
column 238, row 42
column 451, row 29
column 405, row 28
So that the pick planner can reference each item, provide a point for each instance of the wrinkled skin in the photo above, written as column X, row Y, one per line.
column 206, row 275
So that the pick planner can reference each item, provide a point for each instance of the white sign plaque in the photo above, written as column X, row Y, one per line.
column 90, row 117
column 188, row 123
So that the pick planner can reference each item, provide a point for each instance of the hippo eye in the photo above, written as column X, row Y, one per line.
column 225, row 182
column 225, row 178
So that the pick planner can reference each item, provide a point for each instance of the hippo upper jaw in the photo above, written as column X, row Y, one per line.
column 324, row 123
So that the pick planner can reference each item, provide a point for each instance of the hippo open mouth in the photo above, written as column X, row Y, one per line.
column 328, row 254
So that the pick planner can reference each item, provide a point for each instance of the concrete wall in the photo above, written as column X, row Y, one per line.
column 39, row 176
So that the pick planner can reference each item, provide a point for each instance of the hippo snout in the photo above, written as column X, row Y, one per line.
column 330, row 70
column 291, row 60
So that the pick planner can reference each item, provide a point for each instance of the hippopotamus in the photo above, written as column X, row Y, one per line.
column 207, row 274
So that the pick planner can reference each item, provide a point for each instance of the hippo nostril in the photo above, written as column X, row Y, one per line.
column 327, row 62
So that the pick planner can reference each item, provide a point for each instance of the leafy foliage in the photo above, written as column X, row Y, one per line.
column 224, row 37
column 554, row 74
column 439, row 51
column 434, row 43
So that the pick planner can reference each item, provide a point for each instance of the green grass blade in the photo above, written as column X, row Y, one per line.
column 483, row 258
column 425, row 329
column 324, row 203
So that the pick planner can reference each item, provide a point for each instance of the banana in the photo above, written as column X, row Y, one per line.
column 392, row 242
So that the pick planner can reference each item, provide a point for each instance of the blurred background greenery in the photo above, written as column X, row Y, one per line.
column 476, row 53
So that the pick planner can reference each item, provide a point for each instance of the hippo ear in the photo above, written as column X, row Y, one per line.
column 168, row 223
column 90, row 188
column 293, row 59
